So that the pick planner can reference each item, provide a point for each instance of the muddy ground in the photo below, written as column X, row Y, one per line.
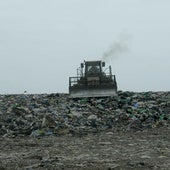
column 148, row 149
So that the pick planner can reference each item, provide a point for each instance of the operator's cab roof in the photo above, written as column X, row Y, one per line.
column 98, row 62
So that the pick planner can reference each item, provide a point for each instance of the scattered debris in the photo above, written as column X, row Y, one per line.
column 56, row 114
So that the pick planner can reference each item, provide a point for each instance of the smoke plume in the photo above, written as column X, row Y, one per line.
column 116, row 49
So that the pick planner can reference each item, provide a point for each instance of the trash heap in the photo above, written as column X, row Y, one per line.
column 56, row 114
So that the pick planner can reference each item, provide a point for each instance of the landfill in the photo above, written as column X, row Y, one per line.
column 51, row 131
column 36, row 115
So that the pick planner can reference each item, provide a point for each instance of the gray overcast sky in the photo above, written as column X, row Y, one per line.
column 42, row 42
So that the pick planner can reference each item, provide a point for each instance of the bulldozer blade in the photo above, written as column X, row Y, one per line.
column 92, row 93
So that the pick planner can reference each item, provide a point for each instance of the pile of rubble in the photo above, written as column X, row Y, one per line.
column 56, row 114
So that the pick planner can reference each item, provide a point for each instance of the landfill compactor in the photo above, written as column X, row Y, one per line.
column 93, row 80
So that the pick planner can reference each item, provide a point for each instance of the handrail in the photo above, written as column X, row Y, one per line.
column 74, row 80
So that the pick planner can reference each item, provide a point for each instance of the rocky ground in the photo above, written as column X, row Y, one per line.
column 51, row 131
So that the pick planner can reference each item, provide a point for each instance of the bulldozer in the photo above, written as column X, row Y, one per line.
column 93, row 80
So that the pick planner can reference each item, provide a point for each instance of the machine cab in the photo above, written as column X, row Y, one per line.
column 93, row 68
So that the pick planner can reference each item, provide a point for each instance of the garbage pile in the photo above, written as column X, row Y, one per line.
column 56, row 114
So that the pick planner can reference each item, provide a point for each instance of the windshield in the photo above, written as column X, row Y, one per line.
column 91, row 69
